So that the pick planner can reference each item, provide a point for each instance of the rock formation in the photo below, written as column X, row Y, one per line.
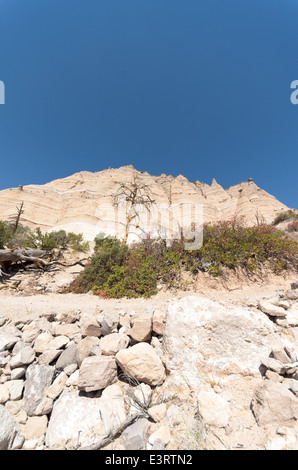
column 83, row 202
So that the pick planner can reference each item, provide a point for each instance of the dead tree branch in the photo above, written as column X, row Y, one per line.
column 16, row 255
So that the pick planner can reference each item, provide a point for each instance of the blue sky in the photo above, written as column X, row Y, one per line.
column 199, row 88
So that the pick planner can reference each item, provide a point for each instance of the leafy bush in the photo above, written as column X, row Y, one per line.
column 24, row 237
column 5, row 233
column 231, row 246
column 118, row 271
column 108, row 255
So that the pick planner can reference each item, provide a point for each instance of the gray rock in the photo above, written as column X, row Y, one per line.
column 293, row 386
column 24, row 357
column 7, row 340
column 108, row 321
column 38, row 378
column 89, row 326
column 48, row 356
column 135, row 436
column 9, row 430
column 112, row 408
column 74, row 422
column 158, row 445
column 15, row 388
column 67, row 357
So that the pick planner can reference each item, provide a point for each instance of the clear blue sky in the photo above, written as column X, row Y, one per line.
column 199, row 88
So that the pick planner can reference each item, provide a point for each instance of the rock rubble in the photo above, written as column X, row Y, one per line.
column 154, row 379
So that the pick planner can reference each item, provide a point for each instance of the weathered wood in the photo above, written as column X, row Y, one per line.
column 13, row 256
column 8, row 257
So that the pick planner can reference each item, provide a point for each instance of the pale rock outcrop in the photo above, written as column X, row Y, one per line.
column 203, row 335
column 83, row 202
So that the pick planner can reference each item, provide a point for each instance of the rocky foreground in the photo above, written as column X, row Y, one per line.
column 186, row 373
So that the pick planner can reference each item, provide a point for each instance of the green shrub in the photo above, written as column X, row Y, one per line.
column 5, row 233
column 77, row 243
column 109, row 254
column 227, row 245
column 121, row 271
column 24, row 237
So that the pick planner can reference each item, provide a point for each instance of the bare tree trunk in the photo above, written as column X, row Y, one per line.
column 20, row 211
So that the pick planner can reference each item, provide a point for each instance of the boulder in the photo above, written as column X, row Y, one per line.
column 30, row 332
column 141, row 327
column 213, row 408
column 158, row 321
column 273, row 403
column 9, row 429
column 270, row 309
column 112, row 343
column 42, row 341
column 204, row 336
column 158, row 412
column 7, row 339
column 97, row 372
column 36, row 427
column 112, row 408
column 163, row 433
column 85, row 347
column 15, row 388
column 58, row 342
column 142, row 364
column 74, row 422
column 67, row 357
column 24, row 357
column 38, row 378
column 108, row 321
column 89, row 326
column 292, row 316
column 135, row 436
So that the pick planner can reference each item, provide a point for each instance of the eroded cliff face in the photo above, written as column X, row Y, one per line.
column 83, row 203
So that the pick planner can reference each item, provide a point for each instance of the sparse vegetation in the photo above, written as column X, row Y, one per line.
column 21, row 236
column 293, row 226
column 134, row 271
column 282, row 216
